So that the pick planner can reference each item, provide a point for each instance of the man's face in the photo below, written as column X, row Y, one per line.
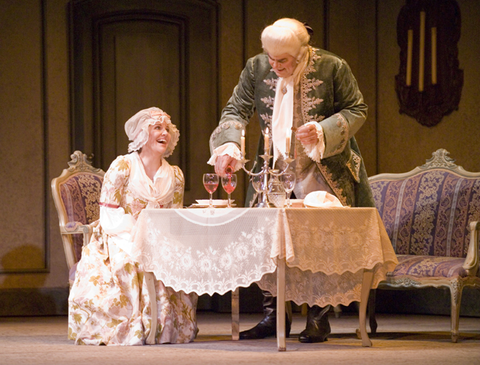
column 284, row 64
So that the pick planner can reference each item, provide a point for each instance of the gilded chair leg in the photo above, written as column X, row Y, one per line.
column 456, row 289
column 152, row 293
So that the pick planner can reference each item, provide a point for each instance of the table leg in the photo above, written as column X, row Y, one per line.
column 366, row 285
column 235, row 315
column 150, row 280
column 281, row 343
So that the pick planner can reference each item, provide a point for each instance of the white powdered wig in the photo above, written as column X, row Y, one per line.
column 290, row 36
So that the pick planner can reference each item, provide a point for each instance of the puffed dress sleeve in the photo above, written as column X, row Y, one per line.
column 114, row 220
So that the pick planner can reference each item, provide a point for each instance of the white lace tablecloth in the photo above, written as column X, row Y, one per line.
column 210, row 251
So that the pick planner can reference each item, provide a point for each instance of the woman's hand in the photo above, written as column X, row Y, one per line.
column 307, row 134
column 222, row 162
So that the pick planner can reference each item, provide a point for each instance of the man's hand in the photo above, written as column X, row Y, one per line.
column 222, row 163
column 307, row 134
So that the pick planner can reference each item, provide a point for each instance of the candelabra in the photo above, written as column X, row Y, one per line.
column 264, row 173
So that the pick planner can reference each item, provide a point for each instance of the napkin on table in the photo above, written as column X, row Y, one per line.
column 321, row 199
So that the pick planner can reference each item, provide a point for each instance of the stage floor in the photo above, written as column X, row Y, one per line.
column 401, row 339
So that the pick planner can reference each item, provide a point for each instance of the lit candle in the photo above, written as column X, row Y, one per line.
column 267, row 141
column 421, row 60
column 243, row 143
column 409, row 57
column 288, row 141
column 434, row 55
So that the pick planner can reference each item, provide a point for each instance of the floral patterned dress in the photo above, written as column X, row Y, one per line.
column 109, row 302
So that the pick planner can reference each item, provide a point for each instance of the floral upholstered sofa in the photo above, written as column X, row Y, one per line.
column 432, row 216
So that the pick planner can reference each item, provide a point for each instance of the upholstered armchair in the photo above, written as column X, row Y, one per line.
column 432, row 216
column 76, row 193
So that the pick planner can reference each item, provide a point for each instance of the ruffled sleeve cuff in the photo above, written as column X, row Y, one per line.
column 115, row 221
column 230, row 149
column 316, row 151
column 119, row 225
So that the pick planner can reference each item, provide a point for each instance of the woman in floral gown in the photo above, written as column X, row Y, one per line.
column 109, row 302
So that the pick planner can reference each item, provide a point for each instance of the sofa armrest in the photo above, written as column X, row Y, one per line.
column 471, row 261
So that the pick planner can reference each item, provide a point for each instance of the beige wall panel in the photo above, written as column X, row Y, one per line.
column 30, row 143
column 58, row 116
column 231, row 47
column 22, row 224
column 351, row 35
column 231, row 62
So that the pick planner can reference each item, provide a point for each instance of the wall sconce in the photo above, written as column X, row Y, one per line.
column 429, row 83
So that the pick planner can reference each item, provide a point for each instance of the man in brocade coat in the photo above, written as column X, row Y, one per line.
column 310, row 97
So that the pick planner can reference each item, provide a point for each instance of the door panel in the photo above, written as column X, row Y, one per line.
column 138, row 69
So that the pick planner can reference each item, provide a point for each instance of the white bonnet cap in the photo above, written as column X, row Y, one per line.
column 136, row 129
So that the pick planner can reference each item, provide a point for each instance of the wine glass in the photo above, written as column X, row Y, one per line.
column 229, row 183
column 210, row 181
column 258, row 183
column 288, row 179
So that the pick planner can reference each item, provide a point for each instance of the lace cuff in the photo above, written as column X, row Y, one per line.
column 230, row 149
column 316, row 151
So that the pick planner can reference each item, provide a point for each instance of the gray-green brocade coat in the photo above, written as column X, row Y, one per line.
column 329, row 96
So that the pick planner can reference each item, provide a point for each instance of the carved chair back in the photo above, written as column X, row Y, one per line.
column 76, row 193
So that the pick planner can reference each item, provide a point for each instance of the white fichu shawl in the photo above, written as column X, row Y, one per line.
column 158, row 192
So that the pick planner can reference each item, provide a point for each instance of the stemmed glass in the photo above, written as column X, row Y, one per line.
column 210, row 181
column 258, row 183
column 229, row 183
column 288, row 179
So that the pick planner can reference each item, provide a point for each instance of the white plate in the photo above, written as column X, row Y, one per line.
column 195, row 205
column 216, row 202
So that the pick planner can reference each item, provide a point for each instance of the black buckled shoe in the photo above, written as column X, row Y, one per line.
column 318, row 327
column 267, row 327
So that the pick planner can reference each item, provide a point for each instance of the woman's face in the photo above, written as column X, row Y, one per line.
column 283, row 64
column 158, row 137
